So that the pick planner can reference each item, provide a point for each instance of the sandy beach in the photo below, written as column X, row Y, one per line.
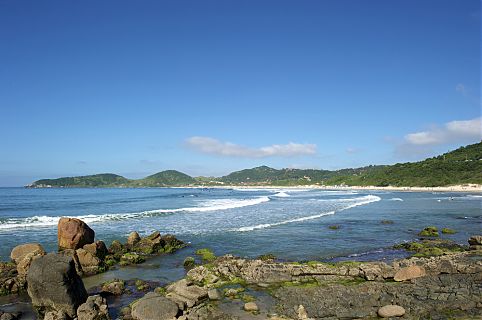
column 454, row 188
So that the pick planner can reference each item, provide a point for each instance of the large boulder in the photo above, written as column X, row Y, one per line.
column 95, row 308
column 23, row 255
column 54, row 285
column 153, row 306
column 73, row 233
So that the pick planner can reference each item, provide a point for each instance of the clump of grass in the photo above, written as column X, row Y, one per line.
column 141, row 285
column 206, row 254
column 160, row 290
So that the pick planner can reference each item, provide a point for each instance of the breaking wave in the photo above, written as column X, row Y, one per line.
column 211, row 205
column 357, row 202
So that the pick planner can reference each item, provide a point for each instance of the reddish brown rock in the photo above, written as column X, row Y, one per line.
column 409, row 273
column 74, row 233
column 97, row 249
column 24, row 254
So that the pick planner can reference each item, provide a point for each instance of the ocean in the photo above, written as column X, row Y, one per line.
column 292, row 224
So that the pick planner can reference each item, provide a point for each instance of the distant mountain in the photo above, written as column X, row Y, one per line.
column 460, row 166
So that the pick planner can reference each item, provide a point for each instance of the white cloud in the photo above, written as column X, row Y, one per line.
column 450, row 132
column 461, row 88
column 214, row 146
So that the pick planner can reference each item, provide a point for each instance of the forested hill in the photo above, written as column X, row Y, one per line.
column 461, row 166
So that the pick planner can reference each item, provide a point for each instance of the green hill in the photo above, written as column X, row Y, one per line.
column 460, row 166
column 168, row 178
column 96, row 180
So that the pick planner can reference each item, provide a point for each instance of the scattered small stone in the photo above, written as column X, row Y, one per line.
column 251, row 307
column 409, row 273
column 214, row 294
column 55, row 315
column 95, row 308
column 391, row 310
column 115, row 287
column 302, row 314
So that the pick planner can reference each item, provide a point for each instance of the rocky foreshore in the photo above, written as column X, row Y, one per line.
column 443, row 281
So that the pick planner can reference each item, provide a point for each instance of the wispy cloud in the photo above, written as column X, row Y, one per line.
column 453, row 131
column 462, row 89
column 213, row 146
column 352, row 150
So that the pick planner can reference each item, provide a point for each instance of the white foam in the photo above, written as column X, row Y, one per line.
column 362, row 201
column 211, row 205
column 396, row 199
column 268, row 225
column 281, row 194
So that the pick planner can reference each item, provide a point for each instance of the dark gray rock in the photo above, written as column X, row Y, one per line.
column 95, row 308
column 54, row 285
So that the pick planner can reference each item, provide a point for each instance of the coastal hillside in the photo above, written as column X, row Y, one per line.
column 461, row 166
column 96, row 180
column 165, row 178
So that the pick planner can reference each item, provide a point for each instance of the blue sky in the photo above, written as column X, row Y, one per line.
column 208, row 87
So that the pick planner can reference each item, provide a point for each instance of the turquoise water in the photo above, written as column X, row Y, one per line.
column 290, row 223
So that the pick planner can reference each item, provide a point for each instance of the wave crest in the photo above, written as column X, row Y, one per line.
column 361, row 201
column 211, row 205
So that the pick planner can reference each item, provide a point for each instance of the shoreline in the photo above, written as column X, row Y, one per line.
column 456, row 188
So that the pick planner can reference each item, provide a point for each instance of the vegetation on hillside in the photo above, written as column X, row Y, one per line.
column 460, row 166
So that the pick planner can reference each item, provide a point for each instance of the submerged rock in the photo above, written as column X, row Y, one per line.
column 251, row 307
column 73, row 233
column 115, row 287
column 54, row 285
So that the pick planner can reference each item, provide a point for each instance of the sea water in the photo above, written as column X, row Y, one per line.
column 292, row 224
